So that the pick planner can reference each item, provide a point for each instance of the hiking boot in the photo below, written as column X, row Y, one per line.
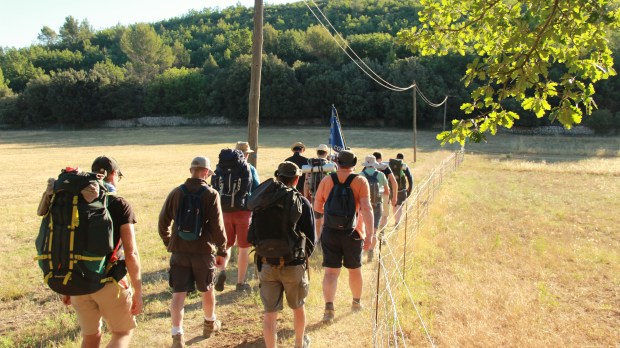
column 209, row 327
column 241, row 287
column 178, row 341
column 328, row 316
column 356, row 306
column 371, row 255
column 221, row 280
column 305, row 343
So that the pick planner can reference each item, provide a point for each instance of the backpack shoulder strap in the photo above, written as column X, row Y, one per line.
column 334, row 177
column 350, row 179
column 184, row 189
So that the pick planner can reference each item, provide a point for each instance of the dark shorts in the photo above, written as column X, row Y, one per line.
column 189, row 272
column 291, row 281
column 402, row 195
column 341, row 249
column 377, row 211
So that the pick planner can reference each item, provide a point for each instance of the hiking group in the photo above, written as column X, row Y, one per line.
column 87, row 250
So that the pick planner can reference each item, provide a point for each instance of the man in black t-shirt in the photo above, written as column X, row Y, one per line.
column 298, row 148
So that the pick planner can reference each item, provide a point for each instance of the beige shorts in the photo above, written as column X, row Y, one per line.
column 108, row 303
column 290, row 281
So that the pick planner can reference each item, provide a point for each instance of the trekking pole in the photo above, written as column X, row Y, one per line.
column 377, row 293
column 406, row 230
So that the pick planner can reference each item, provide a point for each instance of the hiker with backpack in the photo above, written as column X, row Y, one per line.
column 317, row 168
column 87, row 234
column 379, row 191
column 282, row 232
column 192, row 229
column 405, row 183
column 234, row 180
column 387, row 204
column 298, row 148
column 342, row 197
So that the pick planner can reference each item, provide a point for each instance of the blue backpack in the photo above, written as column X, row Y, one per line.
column 233, row 180
column 339, row 210
column 190, row 216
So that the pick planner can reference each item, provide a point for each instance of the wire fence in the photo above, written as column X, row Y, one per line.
column 396, row 313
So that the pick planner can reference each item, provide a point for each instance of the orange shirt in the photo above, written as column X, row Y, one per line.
column 360, row 188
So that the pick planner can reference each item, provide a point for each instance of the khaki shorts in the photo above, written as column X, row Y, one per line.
column 274, row 282
column 108, row 303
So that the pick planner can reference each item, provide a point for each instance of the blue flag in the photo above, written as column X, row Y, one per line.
column 336, row 140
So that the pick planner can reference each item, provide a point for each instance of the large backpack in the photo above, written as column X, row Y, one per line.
column 316, row 174
column 190, row 215
column 397, row 167
column 376, row 189
column 75, row 245
column 340, row 212
column 232, row 179
column 276, row 208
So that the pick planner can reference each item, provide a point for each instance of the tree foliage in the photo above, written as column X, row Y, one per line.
column 517, row 45
column 147, row 53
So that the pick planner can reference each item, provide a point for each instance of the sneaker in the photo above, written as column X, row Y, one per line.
column 178, row 341
column 371, row 255
column 328, row 316
column 209, row 327
column 356, row 306
column 221, row 280
column 240, row 287
column 305, row 343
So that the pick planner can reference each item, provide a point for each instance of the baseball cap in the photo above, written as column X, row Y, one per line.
column 105, row 165
column 288, row 169
column 201, row 162
column 322, row 147
column 244, row 146
column 347, row 158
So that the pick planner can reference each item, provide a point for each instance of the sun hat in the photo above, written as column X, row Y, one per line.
column 346, row 158
column 288, row 169
column 322, row 147
column 298, row 144
column 370, row 161
column 244, row 146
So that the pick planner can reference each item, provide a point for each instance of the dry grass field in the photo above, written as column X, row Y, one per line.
column 520, row 248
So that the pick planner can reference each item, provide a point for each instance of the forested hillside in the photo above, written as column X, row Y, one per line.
column 199, row 65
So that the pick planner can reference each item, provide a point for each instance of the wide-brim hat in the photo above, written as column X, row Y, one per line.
column 288, row 169
column 370, row 161
column 298, row 144
column 244, row 147
column 322, row 147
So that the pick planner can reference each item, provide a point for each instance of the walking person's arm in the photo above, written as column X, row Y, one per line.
column 132, row 261
column 394, row 185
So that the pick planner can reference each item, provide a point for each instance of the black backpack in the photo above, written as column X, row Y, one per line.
column 314, row 178
column 232, row 179
column 376, row 189
column 339, row 210
column 396, row 165
column 190, row 216
column 276, row 208
column 75, row 245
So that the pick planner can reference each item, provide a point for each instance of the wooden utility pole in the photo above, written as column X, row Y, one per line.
column 257, row 63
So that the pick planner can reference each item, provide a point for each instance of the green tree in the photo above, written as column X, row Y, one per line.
column 320, row 44
column 516, row 44
column 5, row 91
column 147, row 53
column 47, row 36
column 73, row 33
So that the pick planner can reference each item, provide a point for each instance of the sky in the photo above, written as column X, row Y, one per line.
column 22, row 20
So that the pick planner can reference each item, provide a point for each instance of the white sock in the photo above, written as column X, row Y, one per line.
column 177, row 330
column 211, row 319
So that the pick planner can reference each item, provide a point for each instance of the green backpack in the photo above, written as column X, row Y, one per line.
column 396, row 165
column 75, row 245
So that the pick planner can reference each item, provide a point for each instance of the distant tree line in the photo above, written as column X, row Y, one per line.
column 198, row 65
